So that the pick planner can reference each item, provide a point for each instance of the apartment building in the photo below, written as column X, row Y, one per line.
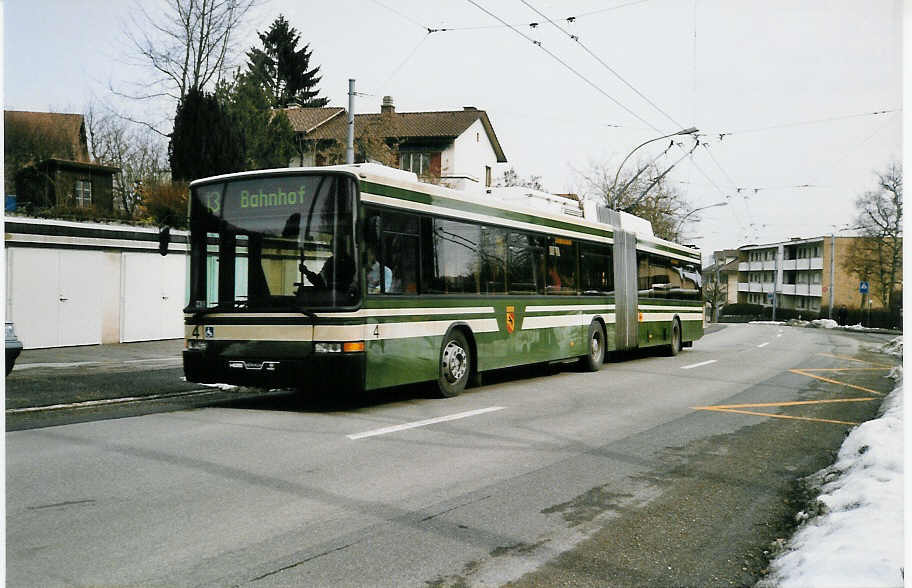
column 803, row 274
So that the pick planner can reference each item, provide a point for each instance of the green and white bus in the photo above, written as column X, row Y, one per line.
column 360, row 277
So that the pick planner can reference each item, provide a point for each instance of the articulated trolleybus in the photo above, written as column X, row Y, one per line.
column 360, row 277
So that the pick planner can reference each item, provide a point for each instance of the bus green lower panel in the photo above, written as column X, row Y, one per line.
column 393, row 362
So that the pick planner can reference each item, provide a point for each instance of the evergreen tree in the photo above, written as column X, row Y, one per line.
column 281, row 69
column 205, row 141
column 269, row 138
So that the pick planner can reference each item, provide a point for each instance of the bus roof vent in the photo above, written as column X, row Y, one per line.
column 536, row 199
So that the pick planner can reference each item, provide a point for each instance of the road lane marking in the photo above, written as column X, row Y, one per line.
column 738, row 409
column 108, row 401
column 831, row 381
column 424, row 423
column 763, row 344
column 854, row 359
column 694, row 365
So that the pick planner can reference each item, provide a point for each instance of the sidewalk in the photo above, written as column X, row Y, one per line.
column 166, row 352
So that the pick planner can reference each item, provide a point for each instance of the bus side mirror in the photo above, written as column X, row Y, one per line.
column 164, row 239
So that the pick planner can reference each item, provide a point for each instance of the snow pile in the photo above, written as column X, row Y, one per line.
column 894, row 347
column 857, row 539
column 825, row 323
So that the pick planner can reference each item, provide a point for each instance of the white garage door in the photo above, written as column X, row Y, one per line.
column 153, row 296
column 54, row 298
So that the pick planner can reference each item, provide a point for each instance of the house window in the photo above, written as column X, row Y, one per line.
column 488, row 176
column 419, row 163
column 83, row 193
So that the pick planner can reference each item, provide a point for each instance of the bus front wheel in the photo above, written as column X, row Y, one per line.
column 455, row 365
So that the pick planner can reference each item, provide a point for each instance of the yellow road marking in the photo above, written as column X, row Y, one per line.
column 778, row 416
column 738, row 408
column 877, row 369
column 852, row 359
column 831, row 381
column 790, row 403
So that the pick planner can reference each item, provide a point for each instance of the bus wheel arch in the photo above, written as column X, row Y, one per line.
column 457, row 365
column 596, row 346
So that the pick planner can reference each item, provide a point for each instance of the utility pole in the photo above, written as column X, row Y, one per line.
column 350, row 146
column 832, row 269
column 776, row 279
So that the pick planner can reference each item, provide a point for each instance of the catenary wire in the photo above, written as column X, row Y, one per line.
column 566, row 65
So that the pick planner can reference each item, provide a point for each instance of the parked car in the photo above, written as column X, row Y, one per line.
column 13, row 347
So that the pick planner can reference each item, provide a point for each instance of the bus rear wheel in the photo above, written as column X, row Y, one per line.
column 674, row 347
column 455, row 365
column 593, row 360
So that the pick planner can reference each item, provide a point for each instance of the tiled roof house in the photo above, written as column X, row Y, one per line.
column 459, row 147
column 48, row 162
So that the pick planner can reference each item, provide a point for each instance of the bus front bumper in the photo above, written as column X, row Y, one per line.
column 263, row 365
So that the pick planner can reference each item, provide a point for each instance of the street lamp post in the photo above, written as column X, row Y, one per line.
column 684, row 218
column 688, row 131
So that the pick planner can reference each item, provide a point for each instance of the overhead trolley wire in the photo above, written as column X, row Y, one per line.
column 722, row 135
column 644, row 97
column 602, row 62
column 565, row 64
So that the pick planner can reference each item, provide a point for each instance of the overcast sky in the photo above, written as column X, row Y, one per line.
column 793, row 82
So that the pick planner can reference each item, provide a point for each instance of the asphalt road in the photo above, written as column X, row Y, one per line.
column 643, row 474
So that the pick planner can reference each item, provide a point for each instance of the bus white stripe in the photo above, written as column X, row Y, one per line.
column 657, row 317
column 570, row 307
column 424, row 328
column 563, row 320
column 644, row 308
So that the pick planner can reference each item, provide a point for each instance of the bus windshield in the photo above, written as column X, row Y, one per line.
column 283, row 242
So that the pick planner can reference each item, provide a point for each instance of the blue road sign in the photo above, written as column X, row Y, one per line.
column 863, row 287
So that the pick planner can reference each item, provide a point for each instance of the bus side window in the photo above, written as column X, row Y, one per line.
column 643, row 281
column 596, row 269
column 560, row 277
column 400, row 252
column 493, row 253
column 526, row 264
column 453, row 264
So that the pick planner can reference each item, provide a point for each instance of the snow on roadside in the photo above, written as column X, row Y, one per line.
column 856, row 539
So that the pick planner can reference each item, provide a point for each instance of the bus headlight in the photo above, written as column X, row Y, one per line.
column 196, row 345
column 328, row 347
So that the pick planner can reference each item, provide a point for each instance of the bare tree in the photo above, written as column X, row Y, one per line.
column 511, row 178
column 136, row 152
column 877, row 256
column 188, row 45
column 644, row 192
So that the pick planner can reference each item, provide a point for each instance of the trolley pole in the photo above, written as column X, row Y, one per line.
column 350, row 146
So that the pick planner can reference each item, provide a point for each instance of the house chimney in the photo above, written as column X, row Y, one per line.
column 387, row 108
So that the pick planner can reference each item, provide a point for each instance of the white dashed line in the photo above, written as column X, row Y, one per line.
column 687, row 367
column 763, row 344
column 424, row 423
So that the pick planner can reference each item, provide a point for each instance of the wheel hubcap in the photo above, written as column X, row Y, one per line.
column 596, row 345
column 455, row 362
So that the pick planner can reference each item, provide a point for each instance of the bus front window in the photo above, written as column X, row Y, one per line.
column 276, row 242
